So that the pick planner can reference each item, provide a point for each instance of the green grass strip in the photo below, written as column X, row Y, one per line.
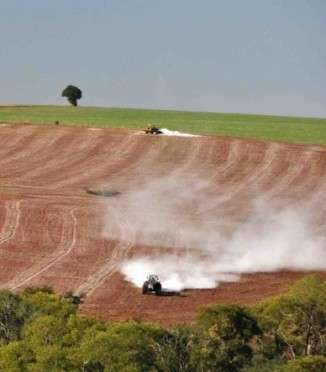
column 279, row 128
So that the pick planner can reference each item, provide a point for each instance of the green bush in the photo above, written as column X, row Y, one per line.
column 316, row 363
column 294, row 323
column 227, row 333
column 40, row 330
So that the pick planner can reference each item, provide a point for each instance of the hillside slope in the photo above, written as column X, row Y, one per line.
column 54, row 233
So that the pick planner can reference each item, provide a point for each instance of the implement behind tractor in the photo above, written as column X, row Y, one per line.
column 152, row 285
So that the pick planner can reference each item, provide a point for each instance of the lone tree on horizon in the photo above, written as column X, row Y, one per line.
column 72, row 93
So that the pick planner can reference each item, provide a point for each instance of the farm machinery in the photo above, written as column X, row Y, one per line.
column 152, row 130
column 152, row 285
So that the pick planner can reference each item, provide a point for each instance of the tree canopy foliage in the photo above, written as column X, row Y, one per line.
column 41, row 330
column 72, row 93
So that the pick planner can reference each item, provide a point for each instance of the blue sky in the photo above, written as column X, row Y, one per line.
column 257, row 56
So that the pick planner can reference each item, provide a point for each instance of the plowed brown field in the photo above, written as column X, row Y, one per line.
column 52, row 230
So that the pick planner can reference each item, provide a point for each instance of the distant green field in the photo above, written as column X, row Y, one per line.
column 290, row 129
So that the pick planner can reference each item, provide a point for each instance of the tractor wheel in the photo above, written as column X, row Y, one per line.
column 157, row 288
column 145, row 287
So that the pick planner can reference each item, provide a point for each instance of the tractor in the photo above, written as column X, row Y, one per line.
column 152, row 130
column 152, row 285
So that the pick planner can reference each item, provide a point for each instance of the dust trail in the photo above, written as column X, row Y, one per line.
column 168, row 132
column 204, row 249
column 67, row 245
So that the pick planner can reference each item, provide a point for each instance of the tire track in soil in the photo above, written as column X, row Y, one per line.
column 314, row 177
column 23, row 149
column 67, row 245
column 300, row 178
column 294, row 171
column 255, row 174
column 65, row 160
column 97, row 165
column 15, row 141
column 11, row 221
column 148, row 164
column 264, row 173
column 112, row 264
column 38, row 160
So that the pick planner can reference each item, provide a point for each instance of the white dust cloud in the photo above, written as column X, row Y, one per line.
column 168, row 132
column 190, row 241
